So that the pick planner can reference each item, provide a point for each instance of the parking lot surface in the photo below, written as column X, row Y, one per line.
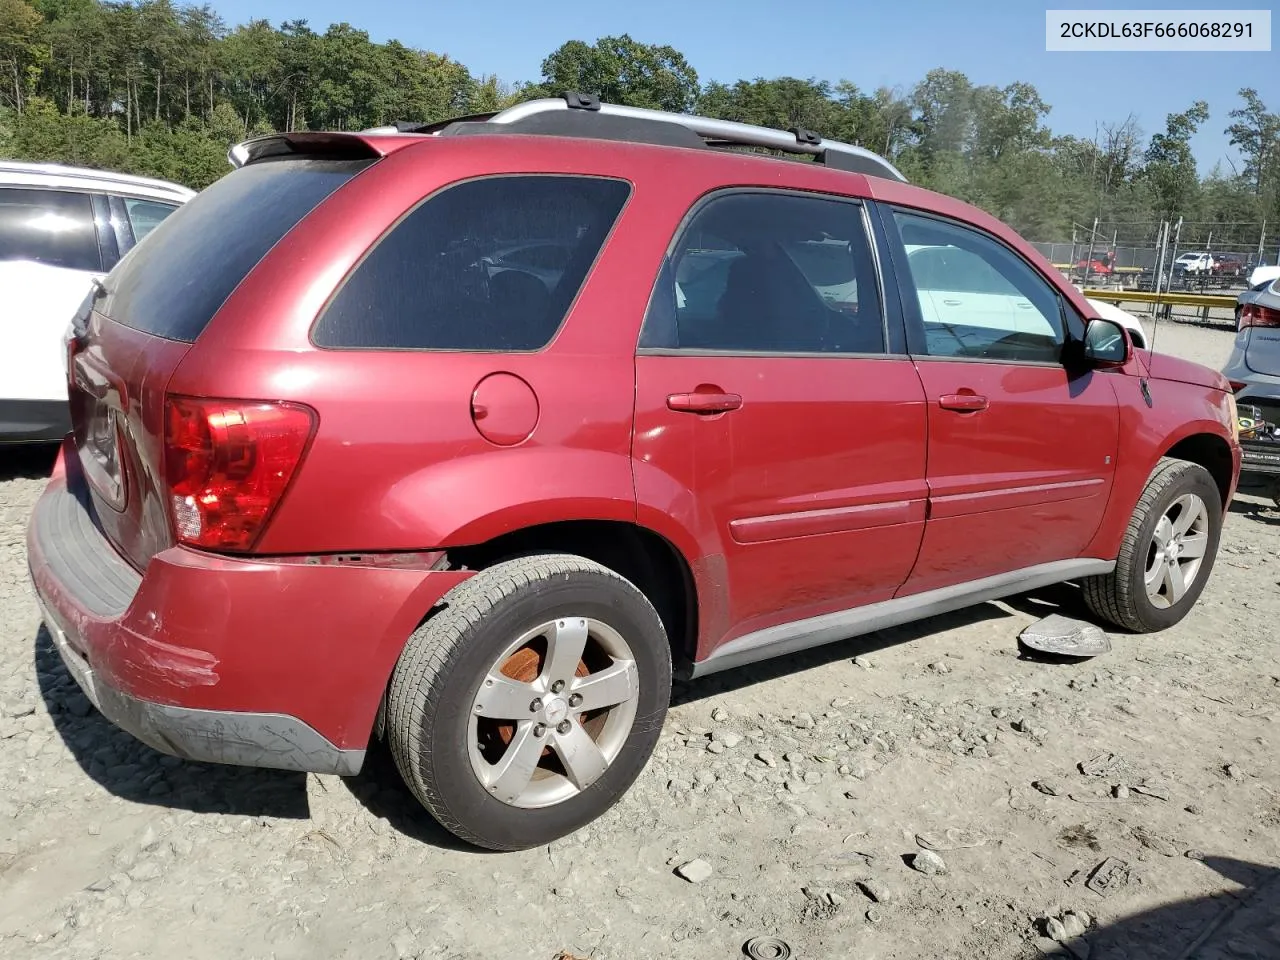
column 1139, row 790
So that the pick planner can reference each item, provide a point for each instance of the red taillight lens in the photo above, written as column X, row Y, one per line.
column 1254, row 315
column 227, row 465
column 1237, row 385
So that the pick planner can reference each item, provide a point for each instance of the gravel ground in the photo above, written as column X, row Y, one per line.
column 923, row 792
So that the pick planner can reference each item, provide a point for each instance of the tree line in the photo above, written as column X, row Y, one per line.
column 160, row 89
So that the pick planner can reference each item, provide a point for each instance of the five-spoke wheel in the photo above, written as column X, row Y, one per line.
column 528, row 705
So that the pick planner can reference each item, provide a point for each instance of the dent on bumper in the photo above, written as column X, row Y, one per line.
column 214, row 736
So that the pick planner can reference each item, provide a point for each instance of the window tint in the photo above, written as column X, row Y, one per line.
column 769, row 273
column 146, row 215
column 208, row 245
column 54, row 227
column 490, row 264
column 977, row 298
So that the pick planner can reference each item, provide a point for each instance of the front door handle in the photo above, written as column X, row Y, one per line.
column 704, row 402
column 952, row 303
column 965, row 402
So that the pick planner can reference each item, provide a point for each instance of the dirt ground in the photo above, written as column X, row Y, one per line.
column 808, row 787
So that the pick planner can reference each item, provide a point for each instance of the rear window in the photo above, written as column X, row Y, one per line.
column 52, row 227
column 172, row 285
column 488, row 264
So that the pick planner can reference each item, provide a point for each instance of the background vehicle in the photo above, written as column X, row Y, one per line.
column 1263, row 273
column 1254, row 372
column 487, row 512
column 1229, row 265
column 60, row 228
column 1195, row 264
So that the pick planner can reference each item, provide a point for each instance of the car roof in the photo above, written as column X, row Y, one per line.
column 58, row 177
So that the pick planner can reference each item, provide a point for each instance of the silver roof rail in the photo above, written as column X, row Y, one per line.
column 582, row 115
column 719, row 133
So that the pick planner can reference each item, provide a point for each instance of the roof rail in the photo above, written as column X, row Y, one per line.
column 583, row 115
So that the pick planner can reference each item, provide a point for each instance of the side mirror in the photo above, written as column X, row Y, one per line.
column 1106, row 344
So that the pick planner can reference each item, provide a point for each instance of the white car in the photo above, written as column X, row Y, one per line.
column 1263, row 274
column 1194, row 263
column 61, row 228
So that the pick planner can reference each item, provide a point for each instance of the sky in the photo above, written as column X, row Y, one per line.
column 871, row 44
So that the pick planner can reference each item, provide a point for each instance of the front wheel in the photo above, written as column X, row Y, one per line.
column 529, row 705
column 1167, row 553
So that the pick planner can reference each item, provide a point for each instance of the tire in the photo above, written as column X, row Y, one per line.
column 1122, row 596
column 451, row 750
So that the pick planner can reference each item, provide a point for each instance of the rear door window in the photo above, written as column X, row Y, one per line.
column 759, row 272
column 173, row 286
column 53, row 227
column 488, row 264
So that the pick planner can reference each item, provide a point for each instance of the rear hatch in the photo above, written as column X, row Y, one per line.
column 1262, row 350
column 133, row 332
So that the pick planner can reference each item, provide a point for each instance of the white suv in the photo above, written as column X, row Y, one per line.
column 1194, row 263
column 60, row 229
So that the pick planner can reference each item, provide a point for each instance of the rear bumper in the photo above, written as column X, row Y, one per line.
column 34, row 421
column 262, row 662
column 212, row 736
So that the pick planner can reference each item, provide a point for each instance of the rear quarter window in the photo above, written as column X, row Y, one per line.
column 492, row 264
column 146, row 215
column 194, row 258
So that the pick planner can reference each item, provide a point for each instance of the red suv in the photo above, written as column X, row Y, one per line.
column 464, row 436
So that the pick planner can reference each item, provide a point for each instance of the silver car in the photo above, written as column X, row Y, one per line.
column 1254, row 372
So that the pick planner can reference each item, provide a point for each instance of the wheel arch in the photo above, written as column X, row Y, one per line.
column 1212, row 452
column 1198, row 441
column 657, row 567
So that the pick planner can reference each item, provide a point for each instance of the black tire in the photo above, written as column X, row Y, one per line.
column 441, row 668
column 1120, row 596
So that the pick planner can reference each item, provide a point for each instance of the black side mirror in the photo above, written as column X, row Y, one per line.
column 1106, row 344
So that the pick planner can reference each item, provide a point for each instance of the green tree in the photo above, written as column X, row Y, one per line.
column 1256, row 132
column 20, row 50
column 1171, row 167
column 622, row 70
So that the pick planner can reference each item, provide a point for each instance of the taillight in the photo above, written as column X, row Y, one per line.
column 1256, row 315
column 227, row 464
column 1237, row 385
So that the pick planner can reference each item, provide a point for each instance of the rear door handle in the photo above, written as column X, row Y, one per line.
column 967, row 402
column 952, row 303
column 704, row 402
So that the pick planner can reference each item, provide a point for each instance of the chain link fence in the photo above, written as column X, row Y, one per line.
column 1130, row 254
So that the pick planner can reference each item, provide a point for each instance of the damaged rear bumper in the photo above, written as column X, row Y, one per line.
column 256, row 661
column 212, row 736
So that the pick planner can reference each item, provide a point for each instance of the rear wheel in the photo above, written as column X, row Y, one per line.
column 529, row 705
column 1167, row 553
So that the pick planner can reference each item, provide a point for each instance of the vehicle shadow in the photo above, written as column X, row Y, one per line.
column 1232, row 923
column 1255, row 508
column 133, row 771
column 380, row 789
column 27, row 461
column 1061, row 598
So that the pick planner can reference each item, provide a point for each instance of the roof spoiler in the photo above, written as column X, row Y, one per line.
column 322, row 145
